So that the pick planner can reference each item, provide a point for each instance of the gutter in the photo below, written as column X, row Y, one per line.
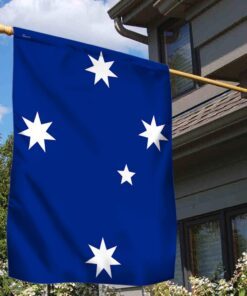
column 168, row 6
column 121, row 29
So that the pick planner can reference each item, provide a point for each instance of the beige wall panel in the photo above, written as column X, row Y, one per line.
column 211, row 200
column 223, row 50
column 217, row 19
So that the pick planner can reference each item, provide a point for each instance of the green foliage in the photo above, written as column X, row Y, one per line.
column 239, row 280
column 167, row 289
column 11, row 287
column 5, row 166
column 74, row 289
column 237, row 286
column 109, row 291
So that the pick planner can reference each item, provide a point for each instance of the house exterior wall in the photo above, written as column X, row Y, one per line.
column 218, row 30
column 210, row 179
column 222, row 15
column 210, row 163
column 224, row 49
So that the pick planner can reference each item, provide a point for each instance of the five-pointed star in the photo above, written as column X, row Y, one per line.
column 153, row 133
column 37, row 132
column 101, row 69
column 126, row 175
column 103, row 258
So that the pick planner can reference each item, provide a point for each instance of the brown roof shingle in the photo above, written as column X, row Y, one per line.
column 218, row 107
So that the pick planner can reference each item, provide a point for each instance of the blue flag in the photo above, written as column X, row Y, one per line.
column 91, row 196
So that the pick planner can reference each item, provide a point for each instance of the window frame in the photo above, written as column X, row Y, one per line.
column 216, row 216
column 196, row 68
column 224, row 217
column 229, row 215
column 182, row 257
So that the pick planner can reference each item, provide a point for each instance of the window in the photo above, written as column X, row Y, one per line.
column 178, row 276
column 176, row 47
column 211, row 244
column 239, row 235
column 205, row 242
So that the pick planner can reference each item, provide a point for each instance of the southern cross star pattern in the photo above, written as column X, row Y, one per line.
column 126, row 175
column 153, row 133
column 103, row 258
column 101, row 69
column 37, row 132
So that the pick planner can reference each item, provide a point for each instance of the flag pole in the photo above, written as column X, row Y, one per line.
column 10, row 31
column 208, row 80
column 6, row 30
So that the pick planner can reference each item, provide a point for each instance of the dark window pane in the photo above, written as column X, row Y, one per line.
column 178, row 276
column 205, row 249
column 239, row 231
column 179, row 57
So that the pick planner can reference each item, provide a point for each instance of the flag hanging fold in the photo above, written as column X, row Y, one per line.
column 91, row 196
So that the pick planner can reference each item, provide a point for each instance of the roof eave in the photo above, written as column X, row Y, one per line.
column 121, row 8
column 134, row 12
column 142, row 13
column 205, row 136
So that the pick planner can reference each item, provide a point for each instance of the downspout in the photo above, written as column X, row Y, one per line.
column 128, row 33
column 137, row 36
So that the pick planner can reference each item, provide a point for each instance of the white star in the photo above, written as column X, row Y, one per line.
column 37, row 132
column 153, row 133
column 126, row 175
column 101, row 69
column 103, row 258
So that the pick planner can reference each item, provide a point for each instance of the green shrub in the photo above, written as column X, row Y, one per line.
column 202, row 286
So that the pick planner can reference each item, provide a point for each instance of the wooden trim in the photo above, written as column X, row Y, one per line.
column 182, row 249
column 224, row 245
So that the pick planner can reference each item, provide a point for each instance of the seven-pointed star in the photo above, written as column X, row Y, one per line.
column 103, row 258
column 37, row 132
column 153, row 133
column 101, row 69
column 126, row 175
